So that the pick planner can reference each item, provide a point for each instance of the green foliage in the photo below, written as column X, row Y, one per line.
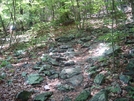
column 4, row 63
column 117, row 36
column 131, row 91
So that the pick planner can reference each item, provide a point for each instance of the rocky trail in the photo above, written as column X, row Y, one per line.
column 73, row 69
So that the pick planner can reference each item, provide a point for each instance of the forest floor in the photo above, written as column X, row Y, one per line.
column 67, row 65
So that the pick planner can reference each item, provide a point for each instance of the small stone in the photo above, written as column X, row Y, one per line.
column 46, row 87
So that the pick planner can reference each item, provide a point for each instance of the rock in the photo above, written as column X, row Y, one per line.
column 109, row 51
column 47, row 73
column 65, row 38
column 65, row 87
column 3, row 75
column 66, row 98
column 19, row 53
column 65, row 46
column 99, row 79
column 61, row 50
column 93, row 68
column 86, row 45
column 26, row 65
column 101, row 96
column 53, row 76
column 34, row 78
column 23, row 95
column 121, row 99
column 130, row 65
column 115, row 88
column 43, row 96
column 46, row 87
column 76, row 80
column 41, row 69
column 45, row 57
column 69, row 63
column 36, row 68
column 24, row 74
column 69, row 72
column 130, row 68
column 124, row 78
column 9, row 66
column 39, row 63
column 53, row 62
column 83, row 96
column 60, row 59
column 85, row 39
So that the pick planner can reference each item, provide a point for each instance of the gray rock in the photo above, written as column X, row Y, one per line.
column 130, row 68
column 86, row 45
column 85, row 39
column 9, row 66
column 115, row 88
column 109, row 51
column 92, row 68
column 23, row 96
column 60, row 59
column 47, row 73
column 43, row 96
column 69, row 72
column 44, row 67
column 36, row 68
column 45, row 57
column 3, row 75
column 66, row 98
column 53, row 62
column 83, row 96
column 41, row 69
column 54, row 76
column 101, row 96
column 65, row 87
column 124, row 78
column 69, row 63
column 121, row 99
column 65, row 46
column 76, row 80
column 99, row 79
column 65, row 39
column 19, row 53
column 24, row 74
column 130, row 65
column 34, row 78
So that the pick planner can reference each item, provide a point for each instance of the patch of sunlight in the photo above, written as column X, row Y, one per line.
column 101, row 49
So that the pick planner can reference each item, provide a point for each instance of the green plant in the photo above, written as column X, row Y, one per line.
column 4, row 63
column 116, row 37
